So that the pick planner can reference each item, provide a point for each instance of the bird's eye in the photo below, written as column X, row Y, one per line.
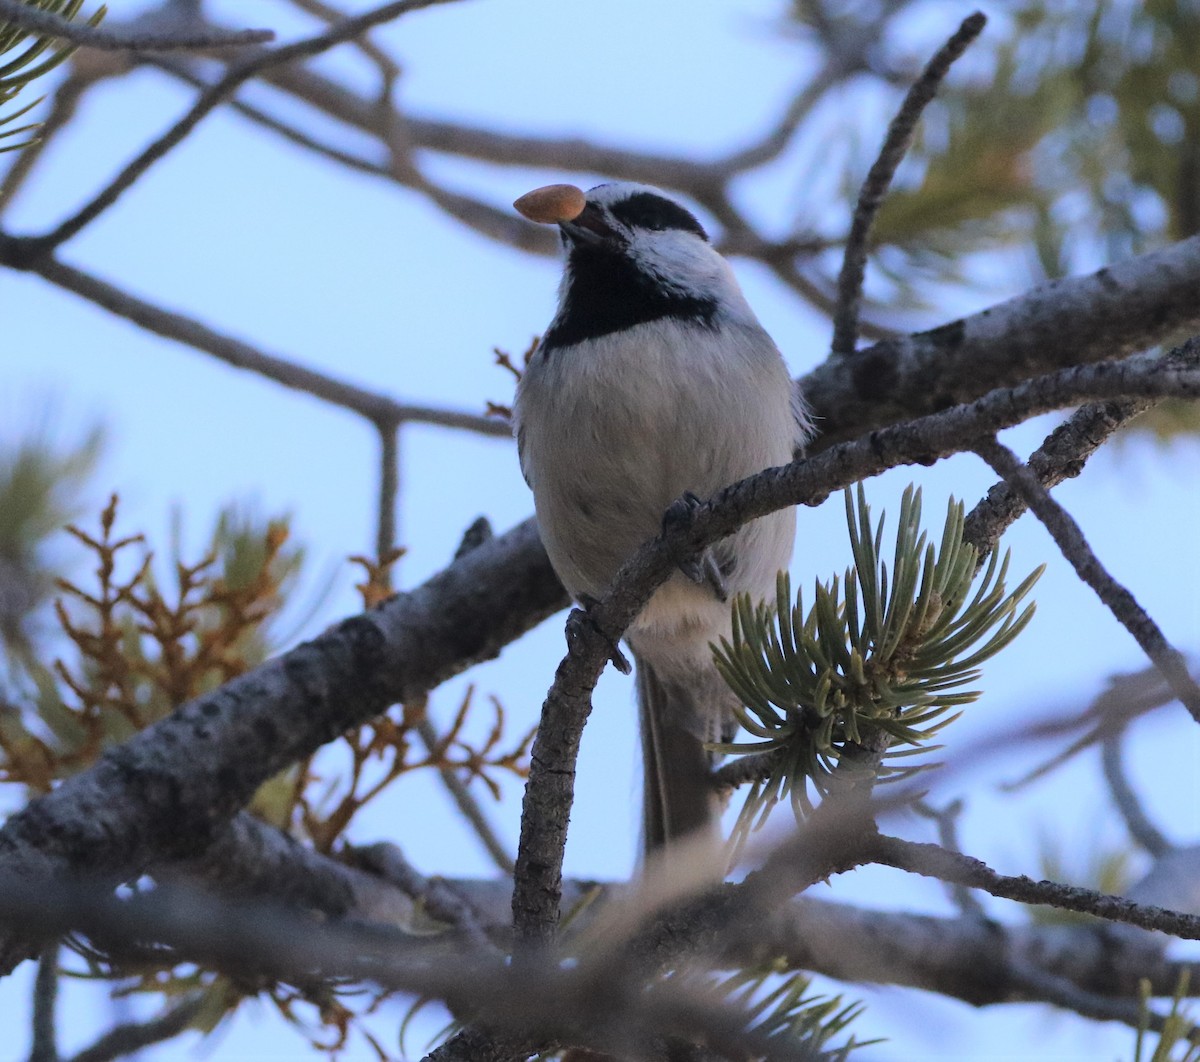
column 645, row 210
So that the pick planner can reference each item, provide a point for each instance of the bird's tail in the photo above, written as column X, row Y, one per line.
column 677, row 717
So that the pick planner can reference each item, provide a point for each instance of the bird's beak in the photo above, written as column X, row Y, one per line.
column 590, row 229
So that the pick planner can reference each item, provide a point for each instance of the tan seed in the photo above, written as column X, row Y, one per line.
column 552, row 204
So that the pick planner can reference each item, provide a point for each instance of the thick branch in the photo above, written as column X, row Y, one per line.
column 1119, row 310
column 169, row 790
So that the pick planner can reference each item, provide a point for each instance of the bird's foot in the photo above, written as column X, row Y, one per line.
column 580, row 617
column 703, row 569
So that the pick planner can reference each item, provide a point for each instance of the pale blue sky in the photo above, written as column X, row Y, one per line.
column 368, row 282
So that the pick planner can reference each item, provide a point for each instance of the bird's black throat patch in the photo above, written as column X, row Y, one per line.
column 607, row 293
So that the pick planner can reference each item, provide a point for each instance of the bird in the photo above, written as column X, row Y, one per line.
column 655, row 385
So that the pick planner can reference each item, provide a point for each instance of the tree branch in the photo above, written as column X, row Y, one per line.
column 549, row 792
column 209, row 101
column 170, row 789
column 879, row 179
column 133, row 1037
column 1074, row 546
column 377, row 408
column 48, row 24
column 1119, row 310
column 1137, row 822
column 931, row 861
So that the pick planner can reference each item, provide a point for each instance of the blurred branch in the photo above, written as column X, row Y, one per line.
column 1074, row 546
column 47, row 23
column 45, row 1000
column 1141, row 829
column 1127, row 697
column 126, row 1040
column 946, row 820
column 879, row 179
column 965, row 958
column 379, row 409
column 549, row 1004
column 208, row 101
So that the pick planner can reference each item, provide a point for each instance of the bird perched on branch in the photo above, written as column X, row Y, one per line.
column 653, row 386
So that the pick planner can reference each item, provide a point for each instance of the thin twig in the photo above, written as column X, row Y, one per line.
column 1061, row 456
column 47, row 23
column 125, row 1040
column 374, row 407
column 879, row 179
column 211, row 99
column 1075, row 548
column 389, row 489
column 183, row 72
column 933, row 861
column 45, row 1000
column 467, row 805
column 1068, row 995
column 1141, row 829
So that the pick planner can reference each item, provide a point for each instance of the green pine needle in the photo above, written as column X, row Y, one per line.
column 884, row 649
column 18, row 72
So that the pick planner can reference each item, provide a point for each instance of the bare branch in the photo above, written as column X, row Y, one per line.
column 1074, row 546
column 128, row 1039
column 879, row 179
column 1141, row 829
column 48, row 24
column 933, row 861
column 209, row 101
column 1061, row 456
column 389, row 490
column 45, row 1001
column 64, row 104
column 1116, row 311
column 379, row 409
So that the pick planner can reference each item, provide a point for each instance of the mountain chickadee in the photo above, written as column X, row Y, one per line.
column 655, row 379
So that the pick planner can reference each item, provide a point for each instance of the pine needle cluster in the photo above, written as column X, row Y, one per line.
column 880, row 662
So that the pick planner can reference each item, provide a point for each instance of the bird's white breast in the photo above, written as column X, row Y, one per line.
column 612, row 430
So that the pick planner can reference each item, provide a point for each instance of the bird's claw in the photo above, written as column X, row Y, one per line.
column 702, row 570
column 581, row 616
